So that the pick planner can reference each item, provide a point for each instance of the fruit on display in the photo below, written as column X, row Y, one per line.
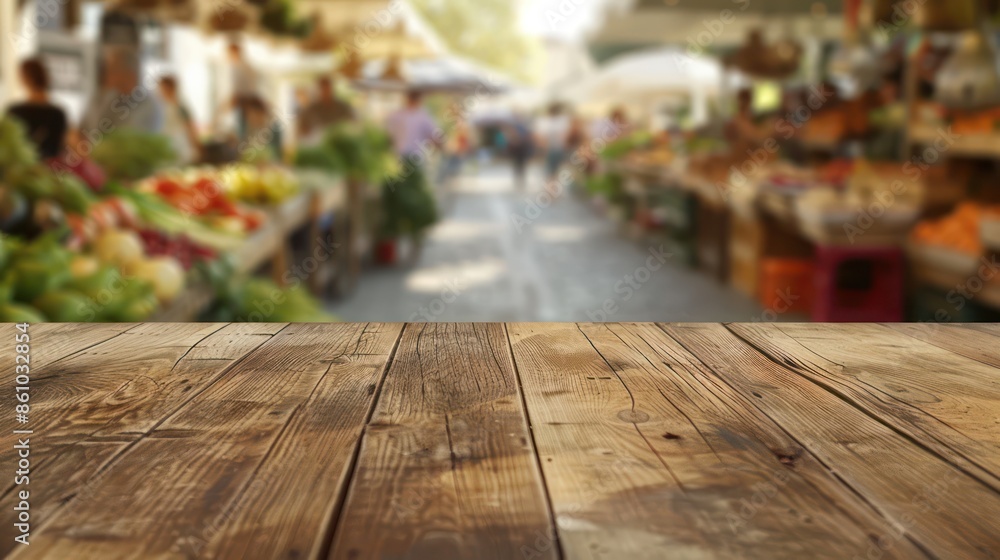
column 958, row 231
column 263, row 185
column 83, row 266
column 186, row 252
column 154, row 212
column 165, row 274
column 206, row 196
column 129, row 155
column 118, row 247
column 43, row 280
column 125, row 250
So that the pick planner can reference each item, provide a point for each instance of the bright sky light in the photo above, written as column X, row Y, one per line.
column 561, row 19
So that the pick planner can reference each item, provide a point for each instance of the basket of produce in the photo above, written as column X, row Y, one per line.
column 951, row 243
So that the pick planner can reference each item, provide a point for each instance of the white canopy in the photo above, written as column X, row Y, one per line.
column 650, row 77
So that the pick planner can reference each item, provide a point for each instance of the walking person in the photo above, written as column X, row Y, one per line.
column 408, row 205
column 520, row 146
column 553, row 136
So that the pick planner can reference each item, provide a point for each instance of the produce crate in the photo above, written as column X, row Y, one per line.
column 755, row 237
column 745, row 243
column 859, row 285
column 793, row 279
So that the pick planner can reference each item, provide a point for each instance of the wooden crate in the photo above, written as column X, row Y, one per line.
column 752, row 238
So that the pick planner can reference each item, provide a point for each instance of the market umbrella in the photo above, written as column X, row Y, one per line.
column 650, row 73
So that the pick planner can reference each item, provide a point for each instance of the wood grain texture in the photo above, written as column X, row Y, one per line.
column 288, row 509
column 647, row 454
column 172, row 489
column 446, row 468
column 965, row 340
column 94, row 394
column 910, row 486
column 525, row 441
column 948, row 403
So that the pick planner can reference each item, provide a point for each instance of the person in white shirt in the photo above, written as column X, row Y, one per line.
column 244, row 86
column 122, row 101
column 552, row 132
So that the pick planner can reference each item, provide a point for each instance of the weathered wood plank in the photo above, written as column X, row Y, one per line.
column 647, row 454
column 288, row 509
column 947, row 402
column 446, row 468
column 171, row 491
column 988, row 328
column 948, row 513
column 83, row 426
column 976, row 344
column 56, row 341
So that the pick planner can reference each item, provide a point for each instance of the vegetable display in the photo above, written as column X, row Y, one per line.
column 128, row 155
column 34, row 199
column 44, row 281
column 359, row 151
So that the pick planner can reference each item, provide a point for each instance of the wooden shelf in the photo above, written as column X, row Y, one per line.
column 970, row 145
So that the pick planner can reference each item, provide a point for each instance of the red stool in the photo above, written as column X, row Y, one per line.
column 859, row 285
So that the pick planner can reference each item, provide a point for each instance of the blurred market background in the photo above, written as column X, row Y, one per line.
column 499, row 160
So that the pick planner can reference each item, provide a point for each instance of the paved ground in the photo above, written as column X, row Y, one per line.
column 496, row 256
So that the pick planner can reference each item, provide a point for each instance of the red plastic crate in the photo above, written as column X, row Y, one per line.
column 859, row 285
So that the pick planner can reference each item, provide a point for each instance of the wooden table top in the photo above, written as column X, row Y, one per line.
column 516, row 441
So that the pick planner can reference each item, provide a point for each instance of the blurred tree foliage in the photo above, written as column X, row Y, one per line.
column 487, row 31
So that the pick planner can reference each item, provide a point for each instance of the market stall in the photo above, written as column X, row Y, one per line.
column 854, row 198
column 119, row 227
